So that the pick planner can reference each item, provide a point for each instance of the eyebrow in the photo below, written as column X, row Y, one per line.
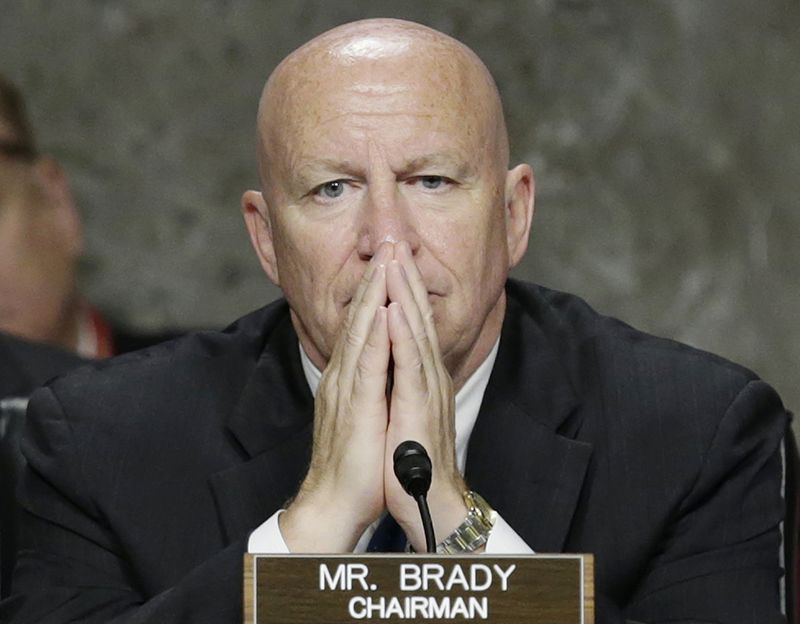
column 436, row 160
column 329, row 165
column 334, row 166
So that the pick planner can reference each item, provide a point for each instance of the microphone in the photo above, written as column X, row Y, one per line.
column 413, row 470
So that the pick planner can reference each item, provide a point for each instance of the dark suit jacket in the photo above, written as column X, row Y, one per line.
column 23, row 366
column 147, row 475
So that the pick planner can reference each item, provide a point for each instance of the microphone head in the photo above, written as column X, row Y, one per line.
column 412, row 467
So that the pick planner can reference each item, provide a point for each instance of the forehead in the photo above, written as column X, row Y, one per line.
column 396, row 114
column 406, row 101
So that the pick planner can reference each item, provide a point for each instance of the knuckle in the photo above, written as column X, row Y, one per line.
column 371, row 342
column 363, row 373
column 352, row 338
column 341, row 391
column 412, row 370
column 418, row 370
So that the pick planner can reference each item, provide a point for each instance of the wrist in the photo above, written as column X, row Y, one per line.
column 319, row 523
column 448, row 511
column 472, row 535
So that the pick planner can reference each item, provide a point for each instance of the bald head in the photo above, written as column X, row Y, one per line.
column 385, row 131
column 384, row 62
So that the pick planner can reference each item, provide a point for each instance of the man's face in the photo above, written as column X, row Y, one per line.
column 36, row 260
column 388, row 152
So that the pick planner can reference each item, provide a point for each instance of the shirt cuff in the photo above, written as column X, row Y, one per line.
column 267, row 538
column 503, row 540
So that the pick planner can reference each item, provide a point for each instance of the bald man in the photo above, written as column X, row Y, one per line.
column 389, row 217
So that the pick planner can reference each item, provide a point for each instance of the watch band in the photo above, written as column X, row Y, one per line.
column 474, row 531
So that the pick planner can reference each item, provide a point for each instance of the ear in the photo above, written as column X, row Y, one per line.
column 64, row 217
column 256, row 218
column 520, row 187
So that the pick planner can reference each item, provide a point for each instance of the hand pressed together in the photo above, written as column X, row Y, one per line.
column 358, row 424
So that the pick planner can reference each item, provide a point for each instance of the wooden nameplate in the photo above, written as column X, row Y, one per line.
column 293, row 589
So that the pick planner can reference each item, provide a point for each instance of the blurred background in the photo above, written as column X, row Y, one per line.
column 665, row 137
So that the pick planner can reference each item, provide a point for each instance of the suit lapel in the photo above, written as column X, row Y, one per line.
column 272, row 422
column 522, row 456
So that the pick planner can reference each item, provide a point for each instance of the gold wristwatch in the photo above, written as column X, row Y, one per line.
column 474, row 531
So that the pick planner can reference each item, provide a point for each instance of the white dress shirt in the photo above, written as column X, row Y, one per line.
column 503, row 539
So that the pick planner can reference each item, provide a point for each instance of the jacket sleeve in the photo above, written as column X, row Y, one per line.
column 71, row 567
column 720, row 560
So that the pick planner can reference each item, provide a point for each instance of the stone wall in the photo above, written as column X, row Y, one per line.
column 665, row 137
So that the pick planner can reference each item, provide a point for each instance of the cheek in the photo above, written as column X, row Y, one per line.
column 293, row 261
column 476, row 258
column 26, row 253
column 475, row 246
column 310, row 261
column 35, row 283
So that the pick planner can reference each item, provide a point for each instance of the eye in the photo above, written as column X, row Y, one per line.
column 433, row 182
column 436, row 183
column 330, row 190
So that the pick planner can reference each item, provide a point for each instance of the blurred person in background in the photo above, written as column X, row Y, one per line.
column 40, row 244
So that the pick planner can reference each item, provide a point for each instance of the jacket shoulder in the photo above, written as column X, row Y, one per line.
column 196, row 367
column 577, row 327
column 635, row 379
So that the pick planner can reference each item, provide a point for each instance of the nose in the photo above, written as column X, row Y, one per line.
column 385, row 216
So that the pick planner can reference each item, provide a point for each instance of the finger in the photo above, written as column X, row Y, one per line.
column 381, row 257
column 359, row 314
column 369, row 384
column 399, row 290
column 354, row 321
column 410, row 382
column 418, row 289
column 354, row 334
